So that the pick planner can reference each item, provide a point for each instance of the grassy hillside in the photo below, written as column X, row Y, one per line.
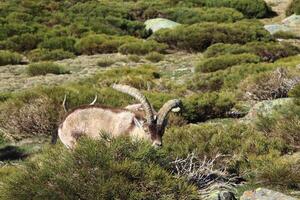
column 239, row 88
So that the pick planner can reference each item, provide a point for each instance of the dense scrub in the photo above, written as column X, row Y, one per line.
column 255, row 8
column 268, row 51
column 198, row 37
column 225, row 61
column 93, row 44
column 7, row 57
column 44, row 68
column 97, row 170
column 230, row 78
column 72, row 27
column 105, row 168
column 37, row 55
column 196, row 15
column 241, row 65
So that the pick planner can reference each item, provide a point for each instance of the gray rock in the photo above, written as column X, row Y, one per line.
column 274, row 28
column 265, row 108
column 265, row 194
column 160, row 23
column 221, row 195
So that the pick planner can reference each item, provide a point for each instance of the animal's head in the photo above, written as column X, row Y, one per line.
column 155, row 122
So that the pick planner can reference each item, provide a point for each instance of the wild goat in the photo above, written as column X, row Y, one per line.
column 91, row 120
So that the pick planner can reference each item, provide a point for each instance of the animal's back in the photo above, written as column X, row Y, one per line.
column 91, row 121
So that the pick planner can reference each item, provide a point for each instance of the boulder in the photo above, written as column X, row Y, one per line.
column 159, row 23
column 265, row 194
column 274, row 28
column 293, row 23
column 265, row 108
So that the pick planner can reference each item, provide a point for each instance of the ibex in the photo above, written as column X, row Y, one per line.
column 91, row 120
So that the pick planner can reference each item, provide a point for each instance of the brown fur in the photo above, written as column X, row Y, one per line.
column 138, row 114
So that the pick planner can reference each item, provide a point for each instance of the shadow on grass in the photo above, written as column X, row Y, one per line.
column 12, row 153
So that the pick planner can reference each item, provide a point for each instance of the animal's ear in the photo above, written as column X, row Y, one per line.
column 177, row 109
column 138, row 123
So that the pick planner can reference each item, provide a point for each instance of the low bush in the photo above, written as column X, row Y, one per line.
column 282, row 122
column 21, row 43
column 276, row 170
column 294, row 7
column 65, row 43
column 270, row 51
column 139, row 77
column 141, row 47
column 226, row 61
column 226, row 138
column 205, row 106
column 198, row 37
column 24, row 120
column 9, row 58
column 250, row 8
column 154, row 57
column 44, row 68
column 295, row 92
column 105, row 62
column 228, row 79
column 93, row 44
column 134, row 58
column 268, row 85
column 286, row 35
column 223, row 49
column 196, row 15
column 98, row 170
column 49, row 55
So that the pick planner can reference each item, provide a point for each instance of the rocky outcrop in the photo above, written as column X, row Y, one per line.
column 265, row 108
column 265, row 194
column 159, row 23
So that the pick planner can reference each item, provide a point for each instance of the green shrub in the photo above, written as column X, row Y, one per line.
column 105, row 62
column 11, row 29
column 276, row 170
column 268, row 51
column 134, row 58
column 138, row 77
column 46, row 54
column 65, row 43
column 295, row 92
column 93, row 44
column 226, row 61
column 227, row 138
column 250, row 8
column 198, row 37
column 21, row 43
column 197, row 15
column 294, row 7
column 267, row 85
column 7, row 57
column 23, row 120
column 141, row 47
column 205, row 106
column 229, row 78
column 98, row 170
column 154, row 57
column 222, row 49
column 44, row 68
column 286, row 35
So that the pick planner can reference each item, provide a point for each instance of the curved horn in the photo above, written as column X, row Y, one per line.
column 138, row 96
column 94, row 101
column 164, row 111
column 64, row 103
